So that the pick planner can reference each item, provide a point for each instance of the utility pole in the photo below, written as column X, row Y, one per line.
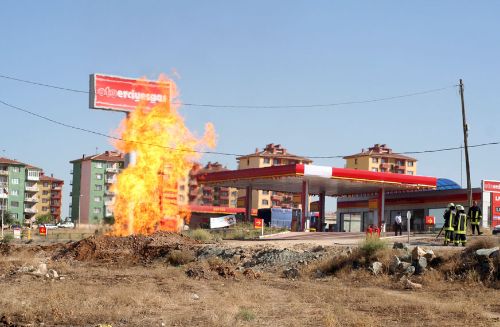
column 466, row 149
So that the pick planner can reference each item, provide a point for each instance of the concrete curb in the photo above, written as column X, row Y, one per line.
column 272, row 235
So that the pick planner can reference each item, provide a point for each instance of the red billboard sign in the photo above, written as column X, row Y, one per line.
column 491, row 186
column 495, row 209
column 125, row 94
column 258, row 223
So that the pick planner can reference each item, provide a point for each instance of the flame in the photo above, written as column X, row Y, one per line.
column 146, row 192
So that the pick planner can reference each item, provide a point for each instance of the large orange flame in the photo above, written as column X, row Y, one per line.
column 147, row 191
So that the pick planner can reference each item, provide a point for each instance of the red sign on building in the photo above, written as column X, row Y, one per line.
column 125, row 94
column 491, row 186
column 495, row 209
column 430, row 220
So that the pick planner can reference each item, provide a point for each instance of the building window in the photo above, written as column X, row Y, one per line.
column 383, row 170
column 374, row 160
column 399, row 163
column 97, row 210
column 400, row 171
column 45, row 208
column 15, row 181
column 233, row 203
column 98, row 176
column 97, row 199
column 14, row 204
column 276, row 161
column 383, row 160
column 265, row 202
column 15, row 169
column 267, row 160
column 375, row 169
column 182, row 188
column 14, row 192
column 410, row 163
column 181, row 197
column 410, row 172
column 355, row 161
column 98, row 164
column 45, row 184
column 45, row 200
column 98, row 187
column 45, row 192
column 265, row 192
column 234, row 193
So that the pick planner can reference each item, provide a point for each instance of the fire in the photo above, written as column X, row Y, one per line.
column 147, row 190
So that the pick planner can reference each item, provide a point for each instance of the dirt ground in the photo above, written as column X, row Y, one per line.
column 169, row 280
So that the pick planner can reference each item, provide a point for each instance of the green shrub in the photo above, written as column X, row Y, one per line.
column 245, row 315
column 7, row 238
column 370, row 246
column 200, row 235
column 180, row 257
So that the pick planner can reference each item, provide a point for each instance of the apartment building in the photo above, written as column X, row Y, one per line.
column 271, row 155
column 91, row 195
column 380, row 158
column 21, row 190
column 50, row 196
column 207, row 195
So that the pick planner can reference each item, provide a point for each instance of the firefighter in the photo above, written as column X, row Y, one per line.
column 449, row 220
column 460, row 226
column 475, row 216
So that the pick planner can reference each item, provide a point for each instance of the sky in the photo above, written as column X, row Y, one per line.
column 261, row 53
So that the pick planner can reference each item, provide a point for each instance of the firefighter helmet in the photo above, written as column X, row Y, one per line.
column 460, row 208
column 451, row 205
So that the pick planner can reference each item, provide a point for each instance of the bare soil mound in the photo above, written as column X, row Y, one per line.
column 130, row 249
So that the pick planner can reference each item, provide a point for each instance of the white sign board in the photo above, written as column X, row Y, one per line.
column 17, row 233
column 221, row 222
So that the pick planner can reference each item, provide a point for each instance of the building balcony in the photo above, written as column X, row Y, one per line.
column 30, row 210
column 55, row 196
column 56, row 188
column 4, row 172
column 3, row 195
column 401, row 167
column 112, row 170
column 109, row 192
column 109, row 202
column 31, row 188
column 385, row 165
column 3, row 207
column 31, row 199
column 108, row 214
column 110, row 180
column 32, row 178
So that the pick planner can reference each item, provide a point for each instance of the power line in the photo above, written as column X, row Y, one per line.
column 323, row 105
column 109, row 136
column 214, row 152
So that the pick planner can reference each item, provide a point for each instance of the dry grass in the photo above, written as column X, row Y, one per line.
column 180, row 257
column 151, row 295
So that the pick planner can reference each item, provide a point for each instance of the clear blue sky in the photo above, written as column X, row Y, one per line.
column 259, row 53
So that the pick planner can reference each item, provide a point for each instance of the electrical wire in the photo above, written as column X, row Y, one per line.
column 214, row 152
column 323, row 105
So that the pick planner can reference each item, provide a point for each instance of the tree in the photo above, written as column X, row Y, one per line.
column 8, row 218
column 44, row 219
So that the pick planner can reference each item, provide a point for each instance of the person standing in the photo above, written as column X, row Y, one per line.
column 449, row 221
column 475, row 216
column 460, row 226
column 398, row 224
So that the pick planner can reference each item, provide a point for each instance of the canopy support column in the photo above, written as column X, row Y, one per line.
column 305, row 205
column 321, row 218
column 380, row 207
column 248, row 204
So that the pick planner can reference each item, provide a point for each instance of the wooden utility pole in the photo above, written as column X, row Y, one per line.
column 466, row 149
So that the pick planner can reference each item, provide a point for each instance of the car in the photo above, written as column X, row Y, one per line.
column 50, row 226
column 496, row 230
column 66, row 224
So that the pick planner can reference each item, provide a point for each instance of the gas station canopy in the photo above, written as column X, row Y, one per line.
column 320, row 179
